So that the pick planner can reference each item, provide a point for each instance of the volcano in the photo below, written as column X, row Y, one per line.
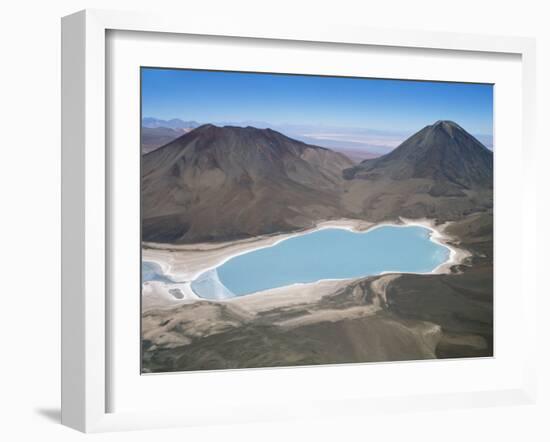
column 443, row 152
column 223, row 183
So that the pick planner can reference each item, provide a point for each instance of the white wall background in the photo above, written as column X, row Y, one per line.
column 30, row 220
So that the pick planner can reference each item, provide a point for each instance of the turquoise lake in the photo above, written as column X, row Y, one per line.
column 324, row 254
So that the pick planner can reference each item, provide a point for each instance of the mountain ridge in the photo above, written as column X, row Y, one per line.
column 209, row 129
column 223, row 183
column 231, row 182
column 442, row 152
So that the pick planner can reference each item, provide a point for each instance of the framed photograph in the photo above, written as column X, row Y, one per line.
column 267, row 222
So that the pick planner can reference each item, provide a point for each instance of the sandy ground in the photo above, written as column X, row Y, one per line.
column 330, row 321
column 323, row 288
column 183, row 263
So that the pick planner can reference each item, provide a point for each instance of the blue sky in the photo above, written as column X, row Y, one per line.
column 384, row 105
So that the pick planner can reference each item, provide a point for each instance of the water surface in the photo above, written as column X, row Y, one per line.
column 324, row 254
column 151, row 271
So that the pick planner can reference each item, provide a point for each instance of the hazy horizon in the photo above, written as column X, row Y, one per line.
column 350, row 138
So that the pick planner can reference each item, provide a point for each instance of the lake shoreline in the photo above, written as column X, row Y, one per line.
column 185, row 263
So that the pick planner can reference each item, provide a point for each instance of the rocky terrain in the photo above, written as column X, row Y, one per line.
column 156, row 133
column 382, row 318
column 224, row 183
column 228, row 183
column 218, row 184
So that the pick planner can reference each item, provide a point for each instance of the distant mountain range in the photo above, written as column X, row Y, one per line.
column 156, row 133
column 154, row 137
column 174, row 123
column 356, row 143
column 221, row 183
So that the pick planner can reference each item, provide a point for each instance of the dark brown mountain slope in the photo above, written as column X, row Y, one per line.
column 440, row 172
column 222, row 183
column 443, row 152
column 154, row 137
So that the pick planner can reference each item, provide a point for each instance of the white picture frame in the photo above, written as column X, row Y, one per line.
column 85, row 202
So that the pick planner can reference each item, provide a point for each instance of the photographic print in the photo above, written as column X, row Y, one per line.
column 296, row 220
